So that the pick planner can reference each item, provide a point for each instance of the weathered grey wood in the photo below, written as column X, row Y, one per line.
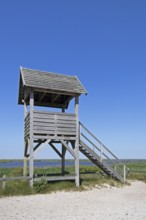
column 76, row 150
column 96, row 148
column 25, row 166
column 63, row 159
column 59, row 117
column 25, row 131
column 41, row 96
column 48, row 104
column 42, row 146
column 35, row 148
column 25, row 110
column 68, row 99
column 43, row 128
column 26, row 93
column 55, row 98
column 43, row 123
column 14, row 178
column 51, row 91
column 49, row 124
column 46, row 80
column 53, row 137
column 55, row 149
column 65, row 87
column 55, row 178
column 45, row 120
column 101, row 143
column 52, row 113
column 63, row 151
column 31, row 159
column 72, row 133
column 68, row 148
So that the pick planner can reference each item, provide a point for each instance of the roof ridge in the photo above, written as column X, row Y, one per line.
column 43, row 71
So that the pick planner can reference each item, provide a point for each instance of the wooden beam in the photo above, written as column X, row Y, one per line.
column 41, row 96
column 63, row 154
column 26, row 94
column 25, row 143
column 53, row 137
column 55, row 149
column 55, row 178
column 42, row 146
column 68, row 148
column 76, row 150
column 54, row 91
column 48, row 104
column 27, row 155
column 31, row 159
column 67, row 99
column 55, row 98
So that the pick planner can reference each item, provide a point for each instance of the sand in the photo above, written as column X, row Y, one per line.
column 128, row 202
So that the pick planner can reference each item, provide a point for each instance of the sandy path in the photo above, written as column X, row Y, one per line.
column 107, row 203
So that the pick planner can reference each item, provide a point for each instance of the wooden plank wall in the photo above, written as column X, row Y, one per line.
column 54, row 124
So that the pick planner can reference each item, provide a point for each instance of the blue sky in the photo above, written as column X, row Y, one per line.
column 102, row 42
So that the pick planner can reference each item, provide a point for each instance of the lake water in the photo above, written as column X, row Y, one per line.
column 52, row 163
column 42, row 163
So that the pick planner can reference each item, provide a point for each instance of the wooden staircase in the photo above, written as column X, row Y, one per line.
column 100, row 155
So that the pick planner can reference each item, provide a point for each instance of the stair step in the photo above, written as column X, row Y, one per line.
column 88, row 152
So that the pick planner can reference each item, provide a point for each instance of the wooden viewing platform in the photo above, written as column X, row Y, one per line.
column 42, row 127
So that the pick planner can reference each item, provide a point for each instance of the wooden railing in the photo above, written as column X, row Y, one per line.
column 103, row 152
column 54, row 124
column 4, row 179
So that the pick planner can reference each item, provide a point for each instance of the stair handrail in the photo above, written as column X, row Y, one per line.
column 81, row 124
column 97, row 148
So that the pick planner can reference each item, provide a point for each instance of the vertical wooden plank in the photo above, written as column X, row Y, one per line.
column 25, row 158
column 55, row 118
column 25, row 110
column 31, row 159
column 77, row 143
column 4, row 183
column 63, row 154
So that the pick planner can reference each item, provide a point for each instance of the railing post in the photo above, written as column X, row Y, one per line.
column 79, row 131
column 4, row 183
column 124, row 173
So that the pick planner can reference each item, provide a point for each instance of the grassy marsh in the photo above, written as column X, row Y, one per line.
column 90, row 176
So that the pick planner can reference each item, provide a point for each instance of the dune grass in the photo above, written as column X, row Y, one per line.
column 90, row 176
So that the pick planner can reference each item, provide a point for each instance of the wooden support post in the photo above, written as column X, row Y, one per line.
column 25, row 166
column 25, row 144
column 31, row 159
column 76, row 150
column 63, row 159
column 63, row 154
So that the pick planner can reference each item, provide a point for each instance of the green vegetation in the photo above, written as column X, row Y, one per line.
column 137, row 170
column 90, row 176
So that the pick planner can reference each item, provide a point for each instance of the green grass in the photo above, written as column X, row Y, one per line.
column 90, row 177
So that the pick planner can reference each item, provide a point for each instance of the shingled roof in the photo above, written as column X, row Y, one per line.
column 56, row 87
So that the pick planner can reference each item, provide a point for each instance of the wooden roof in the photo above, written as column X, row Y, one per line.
column 50, row 89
